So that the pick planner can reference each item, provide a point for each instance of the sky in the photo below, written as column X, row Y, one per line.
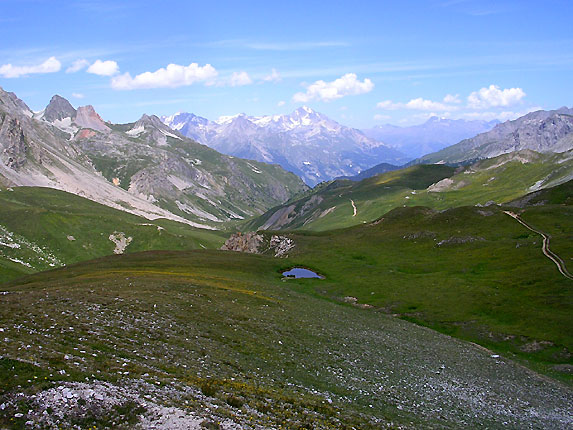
column 363, row 63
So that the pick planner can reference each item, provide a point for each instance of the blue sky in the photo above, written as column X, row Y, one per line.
column 362, row 63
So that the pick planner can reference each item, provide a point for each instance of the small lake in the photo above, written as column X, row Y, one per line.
column 299, row 272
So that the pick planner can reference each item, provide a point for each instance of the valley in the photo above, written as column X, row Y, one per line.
column 142, row 280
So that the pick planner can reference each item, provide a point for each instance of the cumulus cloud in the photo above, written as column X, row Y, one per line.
column 78, row 65
column 502, row 116
column 415, row 104
column 388, row 105
column 51, row 65
column 238, row 79
column 281, row 103
column 449, row 98
column 423, row 104
column 104, row 68
column 346, row 85
column 172, row 76
column 493, row 96
column 273, row 77
column 78, row 95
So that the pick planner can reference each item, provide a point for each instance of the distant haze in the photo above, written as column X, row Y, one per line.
column 433, row 135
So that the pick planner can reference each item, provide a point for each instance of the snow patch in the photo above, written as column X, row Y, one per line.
column 66, row 126
column 168, row 134
column 136, row 131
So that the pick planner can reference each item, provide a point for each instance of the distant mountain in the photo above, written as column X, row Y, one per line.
column 144, row 168
column 305, row 142
column 433, row 135
column 373, row 171
column 541, row 131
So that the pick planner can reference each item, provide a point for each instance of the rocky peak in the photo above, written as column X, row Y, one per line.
column 11, row 103
column 87, row 117
column 151, row 120
column 58, row 109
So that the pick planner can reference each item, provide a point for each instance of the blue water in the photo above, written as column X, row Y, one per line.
column 299, row 272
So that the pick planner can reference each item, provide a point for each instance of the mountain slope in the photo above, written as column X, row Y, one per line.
column 435, row 134
column 333, row 205
column 541, row 131
column 178, row 339
column 43, row 228
column 305, row 142
column 345, row 203
column 144, row 168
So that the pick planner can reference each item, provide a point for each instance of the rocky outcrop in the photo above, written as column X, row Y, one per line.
column 255, row 243
column 248, row 242
column 12, row 143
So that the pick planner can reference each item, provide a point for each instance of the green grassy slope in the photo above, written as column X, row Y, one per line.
column 219, row 335
column 500, row 179
column 42, row 228
column 329, row 206
column 471, row 272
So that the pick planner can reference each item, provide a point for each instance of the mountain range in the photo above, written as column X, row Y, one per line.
column 435, row 134
column 540, row 131
column 144, row 167
column 306, row 142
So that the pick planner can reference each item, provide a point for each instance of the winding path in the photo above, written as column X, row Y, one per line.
column 545, row 248
column 353, row 207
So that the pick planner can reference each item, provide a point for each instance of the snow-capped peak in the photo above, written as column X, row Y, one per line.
column 226, row 119
column 330, row 149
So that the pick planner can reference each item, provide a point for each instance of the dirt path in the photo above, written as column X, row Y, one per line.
column 353, row 207
column 545, row 248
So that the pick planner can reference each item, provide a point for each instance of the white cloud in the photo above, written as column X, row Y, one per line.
column 78, row 95
column 423, row 104
column 273, row 77
column 172, row 76
column 493, row 96
column 77, row 66
column 415, row 104
column 502, row 116
column 51, row 65
column 238, row 79
column 104, row 68
column 449, row 98
column 281, row 103
column 347, row 85
column 388, row 105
